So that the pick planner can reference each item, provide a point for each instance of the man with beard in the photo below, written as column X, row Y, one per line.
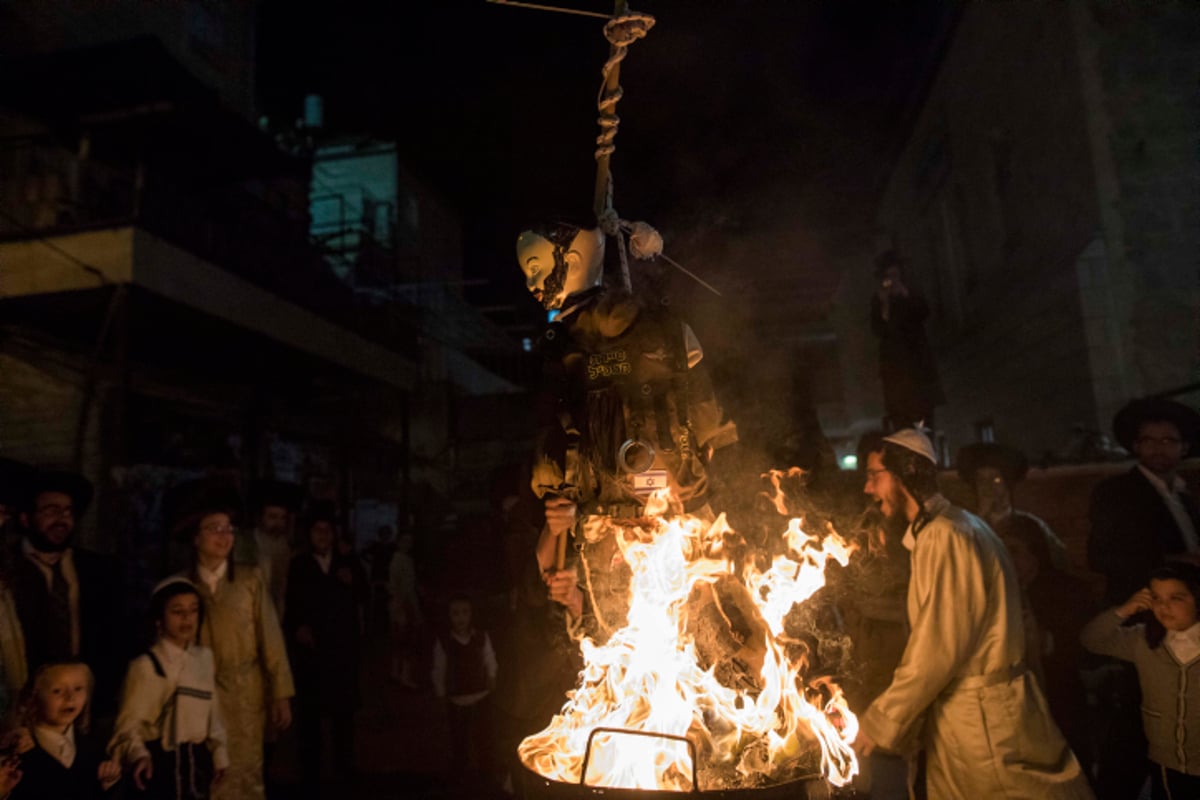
column 1145, row 516
column 275, row 504
column 993, row 471
column 961, row 686
column 1139, row 520
column 46, row 582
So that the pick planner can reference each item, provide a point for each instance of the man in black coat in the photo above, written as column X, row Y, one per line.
column 1139, row 520
column 1145, row 516
column 324, row 592
column 66, row 596
column 46, row 583
column 912, row 387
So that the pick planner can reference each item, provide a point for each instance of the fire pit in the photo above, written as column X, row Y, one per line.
column 702, row 691
column 536, row 787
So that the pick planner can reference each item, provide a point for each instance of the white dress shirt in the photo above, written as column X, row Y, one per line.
column 60, row 746
column 212, row 576
column 1184, row 645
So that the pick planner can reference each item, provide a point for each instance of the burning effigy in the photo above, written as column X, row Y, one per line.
column 703, row 688
column 695, row 666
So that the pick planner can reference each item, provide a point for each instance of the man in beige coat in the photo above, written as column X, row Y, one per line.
column 961, row 686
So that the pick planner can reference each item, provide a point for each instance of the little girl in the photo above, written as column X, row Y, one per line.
column 169, row 731
column 63, row 763
column 1166, row 652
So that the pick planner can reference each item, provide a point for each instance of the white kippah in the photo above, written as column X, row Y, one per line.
column 165, row 582
column 913, row 439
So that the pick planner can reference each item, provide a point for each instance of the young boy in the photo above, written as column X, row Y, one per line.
column 464, row 672
column 169, row 731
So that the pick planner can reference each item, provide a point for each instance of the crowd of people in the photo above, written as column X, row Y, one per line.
column 255, row 631
column 979, row 672
column 984, row 662
column 1010, row 656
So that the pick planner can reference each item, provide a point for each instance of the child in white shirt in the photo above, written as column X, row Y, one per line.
column 169, row 731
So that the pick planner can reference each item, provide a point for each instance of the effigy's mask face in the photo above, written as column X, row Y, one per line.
column 559, row 261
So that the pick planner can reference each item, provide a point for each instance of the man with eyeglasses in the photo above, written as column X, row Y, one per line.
column 1145, row 516
column 45, row 579
column 1139, row 520
column 962, row 689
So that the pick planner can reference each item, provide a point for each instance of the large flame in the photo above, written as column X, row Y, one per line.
column 647, row 676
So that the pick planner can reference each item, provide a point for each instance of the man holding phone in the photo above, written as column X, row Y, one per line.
column 911, row 386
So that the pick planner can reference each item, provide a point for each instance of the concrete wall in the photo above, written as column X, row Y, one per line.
column 995, row 227
column 1048, row 197
column 1148, row 57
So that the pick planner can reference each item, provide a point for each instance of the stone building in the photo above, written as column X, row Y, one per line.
column 1047, row 194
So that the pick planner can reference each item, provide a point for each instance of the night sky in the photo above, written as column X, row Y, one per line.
column 755, row 135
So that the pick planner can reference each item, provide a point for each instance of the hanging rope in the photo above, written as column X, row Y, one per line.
column 621, row 32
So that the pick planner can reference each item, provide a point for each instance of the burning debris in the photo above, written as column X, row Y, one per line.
column 711, row 664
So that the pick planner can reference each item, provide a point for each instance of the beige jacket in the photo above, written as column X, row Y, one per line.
column 241, row 628
column 961, row 687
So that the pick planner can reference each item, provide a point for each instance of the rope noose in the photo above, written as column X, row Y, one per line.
column 621, row 32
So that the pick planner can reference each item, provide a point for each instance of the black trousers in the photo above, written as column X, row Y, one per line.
column 310, row 736
column 1121, row 758
column 185, row 773
column 470, row 736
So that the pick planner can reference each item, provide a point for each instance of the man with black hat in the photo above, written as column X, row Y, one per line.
column 274, row 504
column 1139, row 520
column 993, row 470
column 912, row 387
column 962, row 683
column 45, row 579
column 1145, row 516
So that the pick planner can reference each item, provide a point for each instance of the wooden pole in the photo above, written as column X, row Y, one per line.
column 560, row 554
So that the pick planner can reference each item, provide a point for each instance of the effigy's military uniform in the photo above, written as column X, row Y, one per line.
column 626, row 409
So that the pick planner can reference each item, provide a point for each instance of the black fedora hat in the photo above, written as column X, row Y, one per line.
column 185, row 504
column 1155, row 409
column 1009, row 461
column 72, row 484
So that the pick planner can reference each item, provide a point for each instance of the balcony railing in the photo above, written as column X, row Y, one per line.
column 46, row 190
